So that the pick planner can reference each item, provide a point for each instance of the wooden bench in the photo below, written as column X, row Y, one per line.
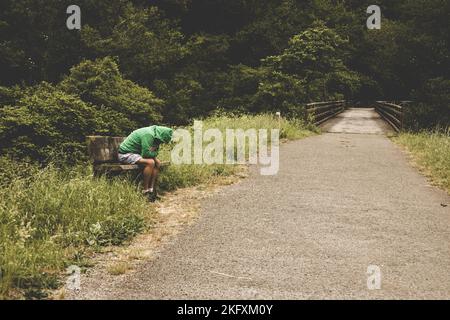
column 103, row 155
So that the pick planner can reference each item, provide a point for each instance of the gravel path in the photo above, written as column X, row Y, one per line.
column 342, row 201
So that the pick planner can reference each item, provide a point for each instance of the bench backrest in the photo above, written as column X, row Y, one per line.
column 103, row 149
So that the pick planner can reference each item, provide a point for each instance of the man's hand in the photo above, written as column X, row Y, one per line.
column 155, row 146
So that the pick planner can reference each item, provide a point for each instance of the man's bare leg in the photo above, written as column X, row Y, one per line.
column 155, row 174
column 149, row 165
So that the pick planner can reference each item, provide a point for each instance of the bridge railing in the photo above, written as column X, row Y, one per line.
column 392, row 113
column 320, row 112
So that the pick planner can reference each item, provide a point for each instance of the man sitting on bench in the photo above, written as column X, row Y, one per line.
column 141, row 147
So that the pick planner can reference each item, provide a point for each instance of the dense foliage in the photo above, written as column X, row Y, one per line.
column 136, row 62
column 46, row 121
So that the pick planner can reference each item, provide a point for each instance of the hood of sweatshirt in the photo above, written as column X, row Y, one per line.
column 163, row 134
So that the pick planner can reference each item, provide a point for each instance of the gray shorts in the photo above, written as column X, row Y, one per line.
column 129, row 158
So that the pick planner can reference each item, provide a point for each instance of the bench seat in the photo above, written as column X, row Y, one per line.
column 117, row 167
column 114, row 167
column 103, row 155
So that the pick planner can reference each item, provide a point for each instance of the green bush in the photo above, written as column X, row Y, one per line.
column 50, row 123
column 431, row 107
column 311, row 68
column 121, row 104
column 45, row 119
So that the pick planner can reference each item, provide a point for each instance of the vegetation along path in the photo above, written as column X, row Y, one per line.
column 342, row 201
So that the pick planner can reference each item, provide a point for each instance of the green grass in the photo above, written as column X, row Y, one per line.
column 189, row 175
column 289, row 129
column 52, row 218
column 431, row 151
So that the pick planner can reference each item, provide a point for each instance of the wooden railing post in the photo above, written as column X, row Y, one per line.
column 322, row 111
column 392, row 113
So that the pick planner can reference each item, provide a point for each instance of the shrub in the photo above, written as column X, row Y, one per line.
column 48, row 122
column 431, row 107
column 311, row 68
column 45, row 119
column 122, row 105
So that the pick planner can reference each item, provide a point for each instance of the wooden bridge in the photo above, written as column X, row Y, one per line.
column 337, row 116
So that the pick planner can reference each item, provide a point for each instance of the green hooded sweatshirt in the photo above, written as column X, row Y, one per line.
column 142, row 140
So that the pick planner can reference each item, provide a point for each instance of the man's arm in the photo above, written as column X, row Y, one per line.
column 146, row 145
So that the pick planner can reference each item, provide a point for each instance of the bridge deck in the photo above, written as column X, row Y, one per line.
column 357, row 120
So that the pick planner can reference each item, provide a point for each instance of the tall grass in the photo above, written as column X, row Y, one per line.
column 289, row 129
column 177, row 176
column 49, row 217
column 432, row 152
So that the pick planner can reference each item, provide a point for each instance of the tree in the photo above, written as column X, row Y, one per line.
column 148, row 46
column 124, row 105
column 431, row 107
column 37, row 121
column 311, row 68
column 43, row 121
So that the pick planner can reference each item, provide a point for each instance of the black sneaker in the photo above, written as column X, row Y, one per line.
column 152, row 196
